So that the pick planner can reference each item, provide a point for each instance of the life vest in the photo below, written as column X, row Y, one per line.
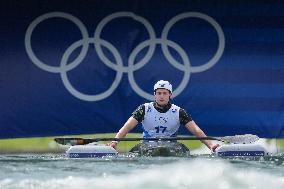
column 156, row 124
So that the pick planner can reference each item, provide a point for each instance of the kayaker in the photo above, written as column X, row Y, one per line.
column 161, row 118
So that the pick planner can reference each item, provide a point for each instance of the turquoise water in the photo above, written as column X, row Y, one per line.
column 51, row 171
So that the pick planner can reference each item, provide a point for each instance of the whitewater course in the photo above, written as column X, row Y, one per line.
column 198, row 170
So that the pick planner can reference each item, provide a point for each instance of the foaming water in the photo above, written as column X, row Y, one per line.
column 59, row 172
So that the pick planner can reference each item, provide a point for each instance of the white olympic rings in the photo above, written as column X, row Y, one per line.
column 118, row 64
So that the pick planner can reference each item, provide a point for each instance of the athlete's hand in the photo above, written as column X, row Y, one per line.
column 213, row 147
column 113, row 144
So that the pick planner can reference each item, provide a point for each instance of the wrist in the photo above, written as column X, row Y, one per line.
column 207, row 143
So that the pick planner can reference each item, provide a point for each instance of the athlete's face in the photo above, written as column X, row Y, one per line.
column 162, row 96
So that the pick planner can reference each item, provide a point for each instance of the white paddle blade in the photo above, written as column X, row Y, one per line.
column 241, row 139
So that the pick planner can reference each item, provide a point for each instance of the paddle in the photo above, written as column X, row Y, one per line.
column 237, row 139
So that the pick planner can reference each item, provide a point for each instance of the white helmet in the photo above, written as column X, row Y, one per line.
column 163, row 85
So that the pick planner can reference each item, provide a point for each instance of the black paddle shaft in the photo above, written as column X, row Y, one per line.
column 82, row 141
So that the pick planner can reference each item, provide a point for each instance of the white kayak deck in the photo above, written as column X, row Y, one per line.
column 164, row 148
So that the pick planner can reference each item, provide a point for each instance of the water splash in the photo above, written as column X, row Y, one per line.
column 174, row 174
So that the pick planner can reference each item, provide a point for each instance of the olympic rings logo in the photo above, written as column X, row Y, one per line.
column 118, row 65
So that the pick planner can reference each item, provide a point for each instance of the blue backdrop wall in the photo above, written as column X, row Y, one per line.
column 74, row 67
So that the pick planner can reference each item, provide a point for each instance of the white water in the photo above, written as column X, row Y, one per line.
column 164, row 173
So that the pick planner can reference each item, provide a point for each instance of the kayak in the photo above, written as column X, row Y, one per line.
column 238, row 145
column 165, row 149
